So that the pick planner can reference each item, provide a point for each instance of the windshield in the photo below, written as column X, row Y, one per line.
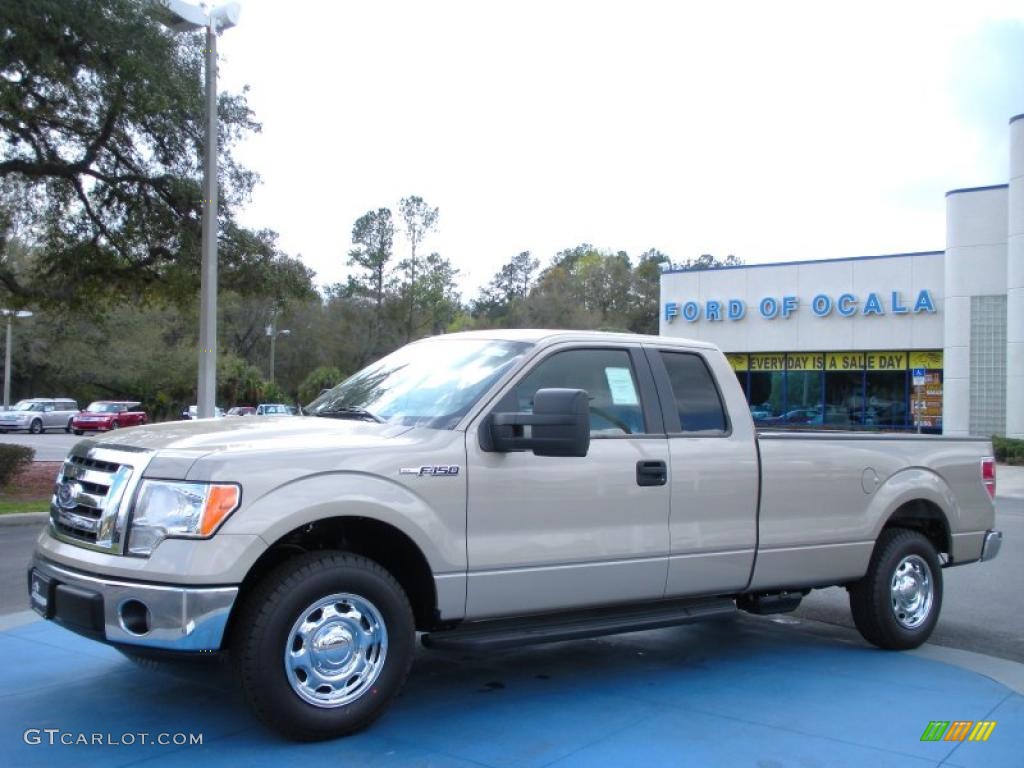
column 429, row 384
column 27, row 405
column 105, row 408
column 275, row 409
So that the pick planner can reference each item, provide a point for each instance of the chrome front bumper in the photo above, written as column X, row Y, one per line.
column 993, row 541
column 130, row 613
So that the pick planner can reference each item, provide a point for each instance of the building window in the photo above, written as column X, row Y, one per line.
column 844, row 399
column 988, row 366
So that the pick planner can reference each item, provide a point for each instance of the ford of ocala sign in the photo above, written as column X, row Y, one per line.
column 822, row 305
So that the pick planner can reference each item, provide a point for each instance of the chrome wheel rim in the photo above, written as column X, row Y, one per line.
column 335, row 650
column 912, row 591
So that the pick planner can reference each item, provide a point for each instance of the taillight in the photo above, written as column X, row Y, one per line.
column 988, row 475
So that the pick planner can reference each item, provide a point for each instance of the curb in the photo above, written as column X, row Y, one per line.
column 23, row 518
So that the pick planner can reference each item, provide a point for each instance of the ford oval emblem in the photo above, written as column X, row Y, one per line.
column 67, row 494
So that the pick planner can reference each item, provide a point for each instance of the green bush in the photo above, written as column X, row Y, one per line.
column 1008, row 450
column 13, row 459
column 323, row 377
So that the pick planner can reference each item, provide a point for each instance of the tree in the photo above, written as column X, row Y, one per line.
column 419, row 220
column 509, row 285
column 101, row 116
column 373, row 235
column 646, row 291
column 437, row 293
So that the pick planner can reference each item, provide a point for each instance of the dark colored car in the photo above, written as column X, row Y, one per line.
column 104, row 415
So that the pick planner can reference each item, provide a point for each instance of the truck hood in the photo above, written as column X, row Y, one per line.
column 251, row 433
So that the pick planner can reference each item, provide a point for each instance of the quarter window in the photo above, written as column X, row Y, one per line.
column 606, row 374
column 697, row 400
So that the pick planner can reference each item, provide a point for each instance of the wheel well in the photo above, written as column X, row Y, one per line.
column 926, row 518
column 364, row 536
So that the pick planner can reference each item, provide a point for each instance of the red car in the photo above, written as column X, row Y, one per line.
column 104, row 415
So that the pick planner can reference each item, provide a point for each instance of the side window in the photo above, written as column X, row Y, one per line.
column 606, row 374
column 700, row 407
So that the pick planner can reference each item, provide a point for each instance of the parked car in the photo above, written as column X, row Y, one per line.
column 241, row 410
column 273, row 409
column 192, row 412
column 38, row 414
column 104, row 415
column 493, row 489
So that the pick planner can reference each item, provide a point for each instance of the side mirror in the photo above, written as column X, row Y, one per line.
column 558, row 426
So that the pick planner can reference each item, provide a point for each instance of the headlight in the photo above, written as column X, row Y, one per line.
column 170, row 509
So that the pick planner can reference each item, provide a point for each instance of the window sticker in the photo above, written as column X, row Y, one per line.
column 620, row 382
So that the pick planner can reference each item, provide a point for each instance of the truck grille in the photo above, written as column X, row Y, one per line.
column 91, row 497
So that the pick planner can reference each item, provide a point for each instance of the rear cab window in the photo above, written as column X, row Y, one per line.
column 695, row 395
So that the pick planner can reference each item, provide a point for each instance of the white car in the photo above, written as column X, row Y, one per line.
column 39, row 414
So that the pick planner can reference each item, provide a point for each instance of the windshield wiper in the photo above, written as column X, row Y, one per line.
column 350, row 412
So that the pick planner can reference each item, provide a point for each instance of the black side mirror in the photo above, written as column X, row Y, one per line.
column 558, row 426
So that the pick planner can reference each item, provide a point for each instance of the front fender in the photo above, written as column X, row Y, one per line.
column 438, row 529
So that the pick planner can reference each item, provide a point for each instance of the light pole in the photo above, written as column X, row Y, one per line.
column 184, row 17
column 10, row 314
column 273, row 333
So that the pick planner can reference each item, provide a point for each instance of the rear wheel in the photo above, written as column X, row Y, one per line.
column 67, row 429
column 896, row 605
column 78, row 431
column 323, row 644
column 36, row 427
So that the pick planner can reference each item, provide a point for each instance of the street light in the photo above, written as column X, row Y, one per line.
column 273, row 333
column 184, row 17
column 10, row 314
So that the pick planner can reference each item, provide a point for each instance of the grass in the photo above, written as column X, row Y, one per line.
column 8, row 507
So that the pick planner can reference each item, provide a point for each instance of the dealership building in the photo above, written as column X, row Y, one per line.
column 930, row 341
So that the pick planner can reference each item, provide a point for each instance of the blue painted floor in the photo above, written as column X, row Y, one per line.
column 750, row 692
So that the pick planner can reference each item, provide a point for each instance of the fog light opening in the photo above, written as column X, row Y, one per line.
column 134, row 617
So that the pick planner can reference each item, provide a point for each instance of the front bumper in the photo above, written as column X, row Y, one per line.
column 993, row 542
column 175, row 618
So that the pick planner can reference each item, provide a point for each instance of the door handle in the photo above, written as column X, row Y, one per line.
column 651, row 473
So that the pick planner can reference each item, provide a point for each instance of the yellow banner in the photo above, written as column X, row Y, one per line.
column 774, row 362
column 844, row 361
column 738, row 362
column 886, row 361
column 929, row 359
column 871, row 361
column 806, row 361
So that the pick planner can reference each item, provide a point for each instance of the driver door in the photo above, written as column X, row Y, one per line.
column 546, row 533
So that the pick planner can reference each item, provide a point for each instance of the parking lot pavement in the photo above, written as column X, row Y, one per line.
column 747, row 692
column 49, row 446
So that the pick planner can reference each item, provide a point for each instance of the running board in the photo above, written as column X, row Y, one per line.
column 530, row 630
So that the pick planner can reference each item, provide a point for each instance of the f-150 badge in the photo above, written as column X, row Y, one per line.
column 431, row 470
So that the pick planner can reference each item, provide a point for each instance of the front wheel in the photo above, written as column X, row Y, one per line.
column 78, row 431
column 896, row 605
column 323, row 644
column 36, row 427
column 67, row 429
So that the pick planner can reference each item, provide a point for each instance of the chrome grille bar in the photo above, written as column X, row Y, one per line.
column 93, row 494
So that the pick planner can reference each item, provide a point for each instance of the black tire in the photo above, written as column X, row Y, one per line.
column 36, row 427
column 877, row 613
column 67, row 429
column 261, row 631
column 113, row 425
column 78, row 431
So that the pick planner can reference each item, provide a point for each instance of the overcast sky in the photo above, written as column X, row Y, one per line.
column 773, row 131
